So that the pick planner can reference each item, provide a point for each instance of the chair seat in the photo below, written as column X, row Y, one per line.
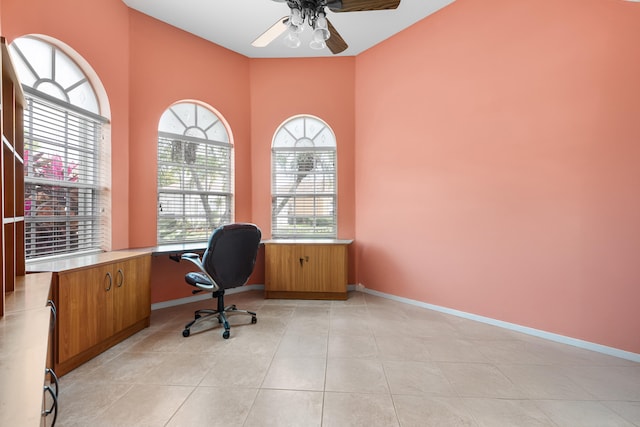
column 197, row 278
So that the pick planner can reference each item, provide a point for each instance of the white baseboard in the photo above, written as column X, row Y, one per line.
column 611, row 351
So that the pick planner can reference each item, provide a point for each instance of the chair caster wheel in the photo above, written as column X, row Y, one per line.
column 226, row 335
column 254, row 319
column 186, row 333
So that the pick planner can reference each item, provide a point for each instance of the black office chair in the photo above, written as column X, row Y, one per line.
column 227, row 263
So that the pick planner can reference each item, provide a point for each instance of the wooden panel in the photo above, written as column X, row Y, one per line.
column 11, row 175
column 19, row 248
column 7, row 106
column 324, row 268
column 19, row 188
column 132, row 292
column 9, row 257
column 85, row 305
column 18, row 118
column 8, row 182
column 281, row 272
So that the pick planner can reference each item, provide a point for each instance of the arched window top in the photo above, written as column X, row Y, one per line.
column 193, row 120
column 195, row 173
column 304, row 132
column 44, row 67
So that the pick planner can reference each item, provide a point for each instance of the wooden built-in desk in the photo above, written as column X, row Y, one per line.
column 24, row 346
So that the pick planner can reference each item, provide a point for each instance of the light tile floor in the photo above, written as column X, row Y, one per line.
column 367, row 361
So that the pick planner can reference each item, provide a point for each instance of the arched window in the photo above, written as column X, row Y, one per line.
column 66, row 171
column 195, row 173
column 304, row 179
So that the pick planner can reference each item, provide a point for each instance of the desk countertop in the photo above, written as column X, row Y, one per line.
column 176, row 248
column 24, row 332
column 201, row 246
column 83, row 261
column 308, row 242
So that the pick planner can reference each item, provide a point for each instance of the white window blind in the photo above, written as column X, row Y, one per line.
column 195, row 171
column 62, row 186
column 66, row 158
column 304, row 180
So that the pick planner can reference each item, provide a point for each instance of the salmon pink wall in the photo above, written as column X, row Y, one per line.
column 169, row 65
column 488, row 155
column 322, row 87
column 497, row 165
column 282, row 88
column 104, row 43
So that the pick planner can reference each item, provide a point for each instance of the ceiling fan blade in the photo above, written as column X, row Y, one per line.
column 272, row 33
column 362, row 5
column 336, row 43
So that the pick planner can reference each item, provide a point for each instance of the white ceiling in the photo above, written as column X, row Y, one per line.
column 234, row 24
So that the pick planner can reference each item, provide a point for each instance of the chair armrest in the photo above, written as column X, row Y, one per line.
column 194, row 258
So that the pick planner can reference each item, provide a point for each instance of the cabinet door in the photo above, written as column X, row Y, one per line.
column 324, row 268
column 282, row 268
column 84, row 306
column 131, row 292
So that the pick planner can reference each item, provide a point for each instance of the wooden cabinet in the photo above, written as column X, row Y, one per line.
column 101, row 300
column 306, row 269
column 11, row 176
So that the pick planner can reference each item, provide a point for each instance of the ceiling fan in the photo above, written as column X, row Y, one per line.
column 313, row 12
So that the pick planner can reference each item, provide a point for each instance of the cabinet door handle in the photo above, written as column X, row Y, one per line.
column 54, row 378
column 54, row 311
column 120, row 274
column 54, row 405
column 108, row 288
column 302, row 260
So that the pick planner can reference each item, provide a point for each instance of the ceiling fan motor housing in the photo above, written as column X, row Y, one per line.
column 311, row 9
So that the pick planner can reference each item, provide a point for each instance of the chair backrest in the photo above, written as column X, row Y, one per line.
column 231, row 254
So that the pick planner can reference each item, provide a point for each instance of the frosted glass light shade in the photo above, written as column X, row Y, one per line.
column 317, row 44
column 292, row 40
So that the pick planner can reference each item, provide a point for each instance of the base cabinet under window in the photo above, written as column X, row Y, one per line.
column 306, row 269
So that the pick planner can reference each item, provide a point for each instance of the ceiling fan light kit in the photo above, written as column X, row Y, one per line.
column 313, row 13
